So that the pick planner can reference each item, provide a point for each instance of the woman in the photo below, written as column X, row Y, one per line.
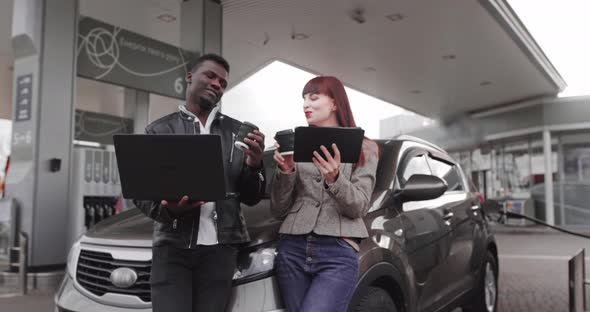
column 322, row 204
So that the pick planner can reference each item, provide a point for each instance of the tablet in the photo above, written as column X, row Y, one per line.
column 169, row 166
column 309, row 139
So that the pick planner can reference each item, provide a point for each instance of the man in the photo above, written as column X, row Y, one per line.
column 194, row 250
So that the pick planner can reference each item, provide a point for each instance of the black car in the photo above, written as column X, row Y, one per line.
column 429, row 248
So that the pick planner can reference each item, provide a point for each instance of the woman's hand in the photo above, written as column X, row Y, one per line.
column 285, row 162
column 329, row 166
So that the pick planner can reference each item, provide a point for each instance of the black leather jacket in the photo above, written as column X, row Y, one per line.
column 249, row 183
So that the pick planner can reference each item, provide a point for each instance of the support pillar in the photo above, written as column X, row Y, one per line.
column 44, row 46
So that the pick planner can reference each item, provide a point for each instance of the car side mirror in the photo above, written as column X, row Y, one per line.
column 422, row 187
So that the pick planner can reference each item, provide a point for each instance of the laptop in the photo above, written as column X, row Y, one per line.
column 309, row 139
column 169, row 166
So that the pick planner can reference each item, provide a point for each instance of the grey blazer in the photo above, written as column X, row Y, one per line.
column 303, row 201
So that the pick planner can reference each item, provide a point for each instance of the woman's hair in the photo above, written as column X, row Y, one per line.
column 333, row 87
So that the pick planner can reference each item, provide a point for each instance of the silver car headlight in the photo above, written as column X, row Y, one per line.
column 73, row 255
column 255, row 263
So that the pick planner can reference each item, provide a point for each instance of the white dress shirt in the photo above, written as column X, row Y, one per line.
column 207, row 222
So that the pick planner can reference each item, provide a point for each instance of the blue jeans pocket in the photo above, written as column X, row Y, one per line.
column 342, row 243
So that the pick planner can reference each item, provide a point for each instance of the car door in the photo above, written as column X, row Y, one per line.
column 383, row 219
column 464, row 222
column 427, row 236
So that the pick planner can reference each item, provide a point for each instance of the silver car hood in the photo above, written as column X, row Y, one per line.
column 132, row 228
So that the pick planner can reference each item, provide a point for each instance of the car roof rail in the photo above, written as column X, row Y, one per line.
column 405, row 137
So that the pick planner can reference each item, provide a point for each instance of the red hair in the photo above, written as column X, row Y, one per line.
column 333, row 88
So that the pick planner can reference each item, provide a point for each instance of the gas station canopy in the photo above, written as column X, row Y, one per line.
column 437, row 58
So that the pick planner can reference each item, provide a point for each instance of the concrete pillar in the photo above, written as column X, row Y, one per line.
column 201, row 26
column 137, row 107
column 129, row 102
column 549, row 207
column 44, row 46
column 561, row 174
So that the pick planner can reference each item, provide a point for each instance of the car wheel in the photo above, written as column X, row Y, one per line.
column 486, row 295
column 376, row 300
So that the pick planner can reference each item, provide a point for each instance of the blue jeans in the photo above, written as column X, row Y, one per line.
column 316, row 273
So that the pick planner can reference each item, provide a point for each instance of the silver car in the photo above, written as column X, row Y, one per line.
column 108, row 268
column 430, row 247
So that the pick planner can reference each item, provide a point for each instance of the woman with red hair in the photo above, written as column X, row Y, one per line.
column 322, row 206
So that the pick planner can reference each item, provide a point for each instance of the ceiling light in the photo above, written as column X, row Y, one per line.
column 449, row 57
column 86, row 143
column 166, row 18
column 395, row 17
column 299, row 36
column 485, row 83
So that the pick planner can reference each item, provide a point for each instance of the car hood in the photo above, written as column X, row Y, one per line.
column 133, row 228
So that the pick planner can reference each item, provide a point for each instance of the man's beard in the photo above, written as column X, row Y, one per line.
column 206, row 104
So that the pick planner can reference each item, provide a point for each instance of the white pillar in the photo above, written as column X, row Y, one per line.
column 549, row 208
column 561, row 175
column 201, row 26
column 137, row 108
column 44, row 48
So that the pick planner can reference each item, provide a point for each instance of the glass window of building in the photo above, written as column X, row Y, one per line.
column 517, row 168
column 573, row 186
column 479, row 172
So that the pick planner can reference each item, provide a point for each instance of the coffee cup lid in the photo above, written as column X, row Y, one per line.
column 286, row 131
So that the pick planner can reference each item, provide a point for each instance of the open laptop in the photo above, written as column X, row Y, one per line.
column 169, row 166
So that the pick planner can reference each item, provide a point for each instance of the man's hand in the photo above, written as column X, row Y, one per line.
column 255, row 141
column 181, row 207
column 285, row 162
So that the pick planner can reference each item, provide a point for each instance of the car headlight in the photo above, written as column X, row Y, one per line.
column 255, row 263
column 73, row 259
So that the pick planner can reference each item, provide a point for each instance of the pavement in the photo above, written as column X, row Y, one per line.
column 534, row 267
column 33, row 302
column 533, row 272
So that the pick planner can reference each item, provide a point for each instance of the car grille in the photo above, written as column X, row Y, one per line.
column 94, row 271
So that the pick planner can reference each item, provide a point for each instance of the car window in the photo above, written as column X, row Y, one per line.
column 415, row 165
column 447, row 172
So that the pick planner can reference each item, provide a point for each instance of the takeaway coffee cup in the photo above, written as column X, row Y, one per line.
column 245, row 128
column 286, row 140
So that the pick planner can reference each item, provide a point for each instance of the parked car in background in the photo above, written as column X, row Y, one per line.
column 430, row 246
